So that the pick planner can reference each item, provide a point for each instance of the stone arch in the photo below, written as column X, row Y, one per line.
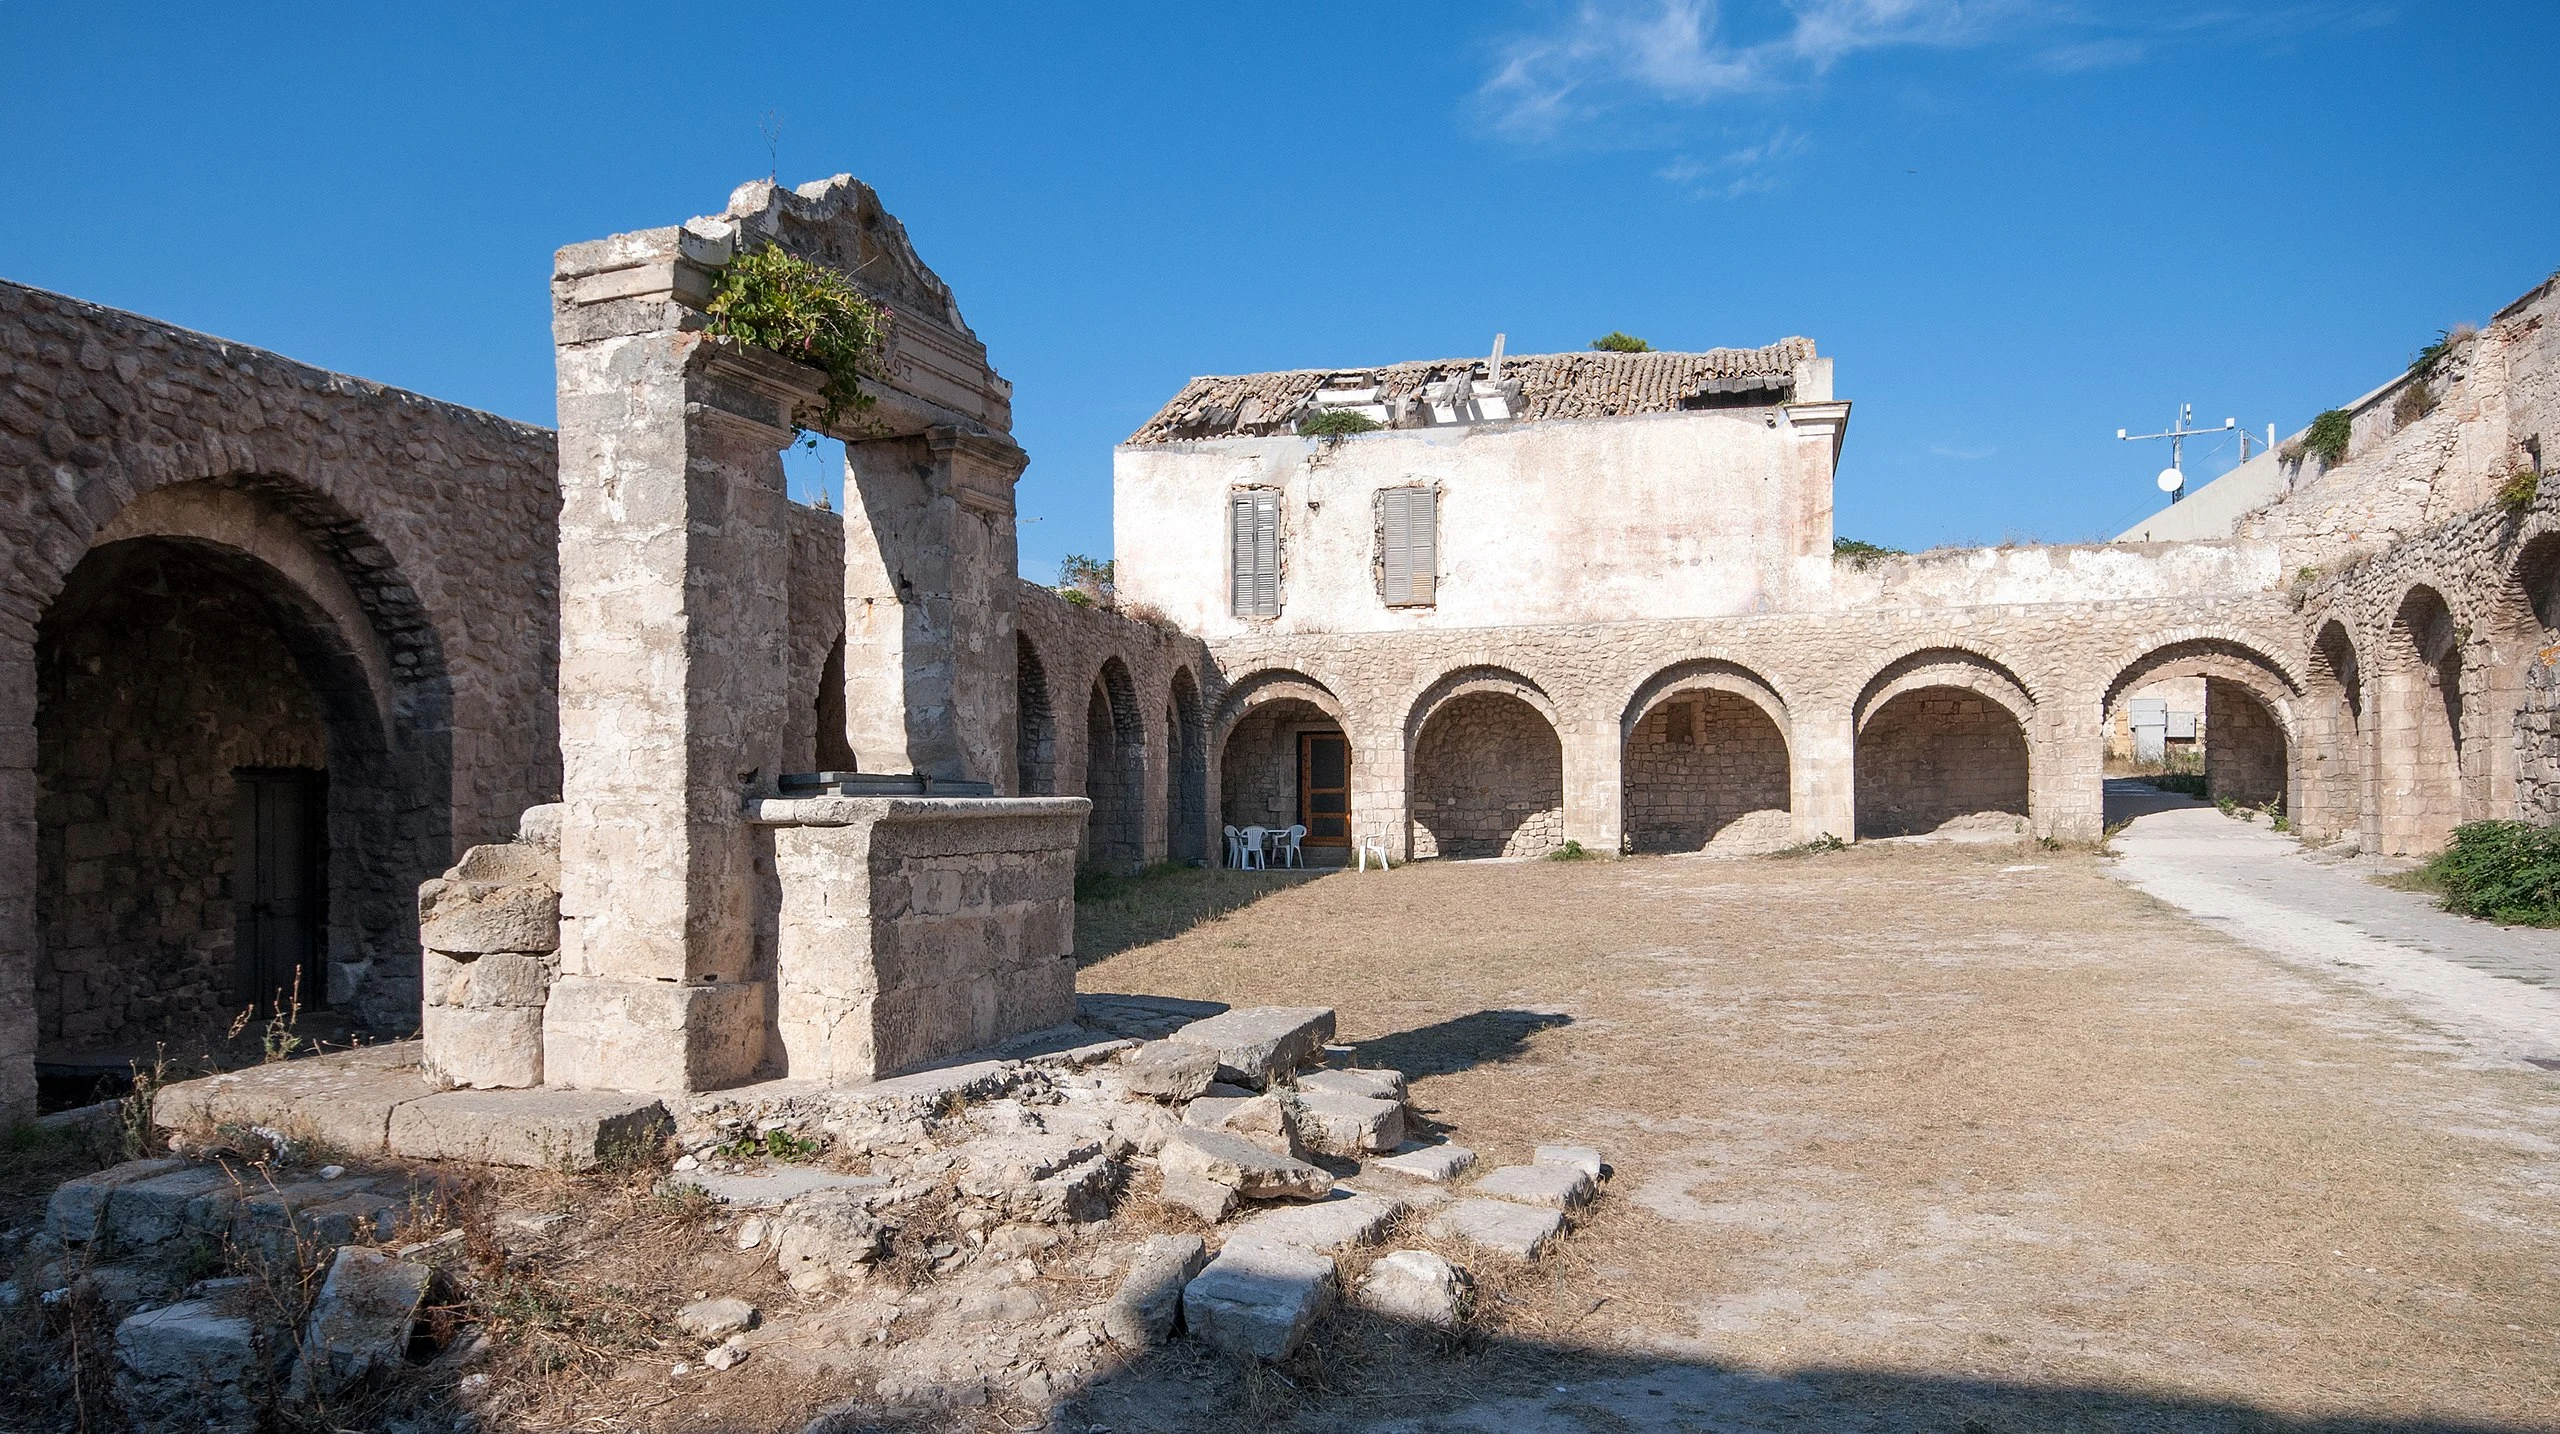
column 1035, row 730
column 1942, row 746
column 1187, row 772
column 1706, row 761
column 1487, row 767
column 1115, row 771
column 232, row 668
column 2331, row 739
column 2249, row 725
column 2426, row 752
column 2524, row 682
column 1280, row 737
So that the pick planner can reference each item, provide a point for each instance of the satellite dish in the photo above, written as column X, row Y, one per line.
column 2171, row 480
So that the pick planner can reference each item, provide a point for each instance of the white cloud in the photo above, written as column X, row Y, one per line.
column 1748, row 170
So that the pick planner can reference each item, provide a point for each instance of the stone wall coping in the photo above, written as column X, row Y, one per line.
column 858, row 811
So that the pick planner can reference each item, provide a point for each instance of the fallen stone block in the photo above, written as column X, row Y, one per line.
column 1241, row 1166
column 196, row 1366
column 282, row 1223
column 761, row 1190
column 1142, row 1312
column 1415, row 1286
column 1501, row 1226
column 716, row 1318
column 1208, row 1199
column 196, row 1200
column 1337, row 1222
column 1256, row 1043
column 360, row 1323
column 1561, row 1187
column 1265, row 1120
column 825, row 1240
column 1375, row 1084
column 535, row 1129
column 1438, row 1164
column 77, row 1211
column 1348, row 1126
column 1168, row 1070
column 1258, row 1302
column 1580, row 1157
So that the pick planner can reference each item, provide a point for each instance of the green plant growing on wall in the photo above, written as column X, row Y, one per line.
column 1617, row 341
column 1087, row 582
column 2328, row 436
column 1336, row 423
column 2518, row 492
column 1862, row 555
column 770, row 299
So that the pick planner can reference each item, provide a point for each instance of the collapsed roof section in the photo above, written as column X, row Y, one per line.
column 1529, row 387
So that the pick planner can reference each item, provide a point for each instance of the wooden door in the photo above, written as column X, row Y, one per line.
column 279, row 884
column 1324, row 788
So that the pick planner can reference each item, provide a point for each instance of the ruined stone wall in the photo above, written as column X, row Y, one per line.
column 1066, row 649
column 2244, row 753
column 165, row 686
column 1488, row 780
column 1698, row 766
column 817, row 741
column 1929, row 757
column 414, row 535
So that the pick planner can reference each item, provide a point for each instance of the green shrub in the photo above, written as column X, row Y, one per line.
column 1617, row 342
column 2518, row 492
column 1570, row 851
column 775, row 300
column 1862, row 555
column 2507, row 872
column 1336, row 423
column 2328, row 437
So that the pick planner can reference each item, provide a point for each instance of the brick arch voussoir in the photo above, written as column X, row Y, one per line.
column 1972, row 668
column 2230, row 654
column 1259, row 686
column 1712, row 672
column 1473, row 679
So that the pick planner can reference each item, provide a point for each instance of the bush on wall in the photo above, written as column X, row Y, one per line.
column 779, row 301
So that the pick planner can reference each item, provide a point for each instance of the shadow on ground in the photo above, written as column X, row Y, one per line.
column 1115, row 913
column 1459, row 1043
column 2126, row 798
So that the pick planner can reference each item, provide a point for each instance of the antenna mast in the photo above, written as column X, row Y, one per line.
column 2173, row 479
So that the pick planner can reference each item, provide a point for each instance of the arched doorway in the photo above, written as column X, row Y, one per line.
column 2332, row 781
column 1115, row 757
column 1942, row 748
column 2527, row 671
column 1488, row 770
column 1706, row 765
column 1035, row 731
column 1285, row 760
column 2424, row 737
column 2230, row 708
column 1186, row 794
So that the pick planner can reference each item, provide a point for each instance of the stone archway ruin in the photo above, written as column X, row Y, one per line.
column 1706, row 764
column 1488, row 769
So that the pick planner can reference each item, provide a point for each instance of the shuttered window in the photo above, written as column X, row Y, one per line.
column 1409, row 518
column 1253, row 522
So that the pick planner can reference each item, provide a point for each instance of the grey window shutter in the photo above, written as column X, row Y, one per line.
column 1422, row 547
column 1266, row 554
column 1240, row 541
column 1398, row 543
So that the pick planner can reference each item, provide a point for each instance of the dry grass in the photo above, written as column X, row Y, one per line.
column 1933, row 1135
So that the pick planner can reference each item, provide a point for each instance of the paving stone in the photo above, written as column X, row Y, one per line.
column 1562, row 1187
column 1349, row 1126
column 1208, row 1199
column 1520, row 1231
column 716, row 1318
column 1580, row 1157
column 1321, row 1227
column 199, row 1199
column 1266, row 1120
column 343, row 1100
column 536, row 1129
column 1375, row 1084
column 1168, row 1070
column 1258, row 1302
column 1436, row 1163
column 1256, row 1043
column 1142, row 1312
column 77, row 1211
column 360, row 1323
column 763, row 1189
column 1415, row 1286
column 1240, row 1165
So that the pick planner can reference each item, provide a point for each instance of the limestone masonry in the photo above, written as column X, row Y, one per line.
column 312, row 689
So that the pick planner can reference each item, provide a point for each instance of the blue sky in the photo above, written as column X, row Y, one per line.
column 2017, row 226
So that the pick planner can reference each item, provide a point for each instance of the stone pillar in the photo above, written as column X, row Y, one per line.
column 674, row 666
column 1822, row 773
column 2066, row 769
column 930, row 567
column 1594, row 785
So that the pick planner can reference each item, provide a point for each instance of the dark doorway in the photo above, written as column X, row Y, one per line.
column 280, row 885
column 1324, row 788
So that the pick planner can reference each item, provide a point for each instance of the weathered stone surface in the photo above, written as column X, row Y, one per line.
column 1415, row 1286
column 1240, row 1165
column 195, row 1366
column 1322, row 1227
column 824, row 1241
column 361, row 1321
column 1354, row 1080
column 285, row 1223
column 1502, row 1226
column 538, row 1129
column 1331, row 1123
column 1258, row 1302
column 1169, row 1070
column 716, row 1318
column 343, row 1099
column 512, row 903
column 1580, row 1157
column 492, row 1049
column 1256, row 1043
column 1436, row 1163
column 1561, row 1187
column 196, row 1200
column 1269, row 1121
column 1206, row 1198
column 1142, row 1311
column 76, row 1213
column 763, row 1189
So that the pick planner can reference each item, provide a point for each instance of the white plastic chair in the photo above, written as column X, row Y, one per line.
column 1235, row 848
column 1373, row 842
column 1288, row 843
column 1252, row 837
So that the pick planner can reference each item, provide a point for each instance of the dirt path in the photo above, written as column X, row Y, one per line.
column 1922, row 1138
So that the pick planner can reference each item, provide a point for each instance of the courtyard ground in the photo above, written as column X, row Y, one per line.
column 1961, row 1138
